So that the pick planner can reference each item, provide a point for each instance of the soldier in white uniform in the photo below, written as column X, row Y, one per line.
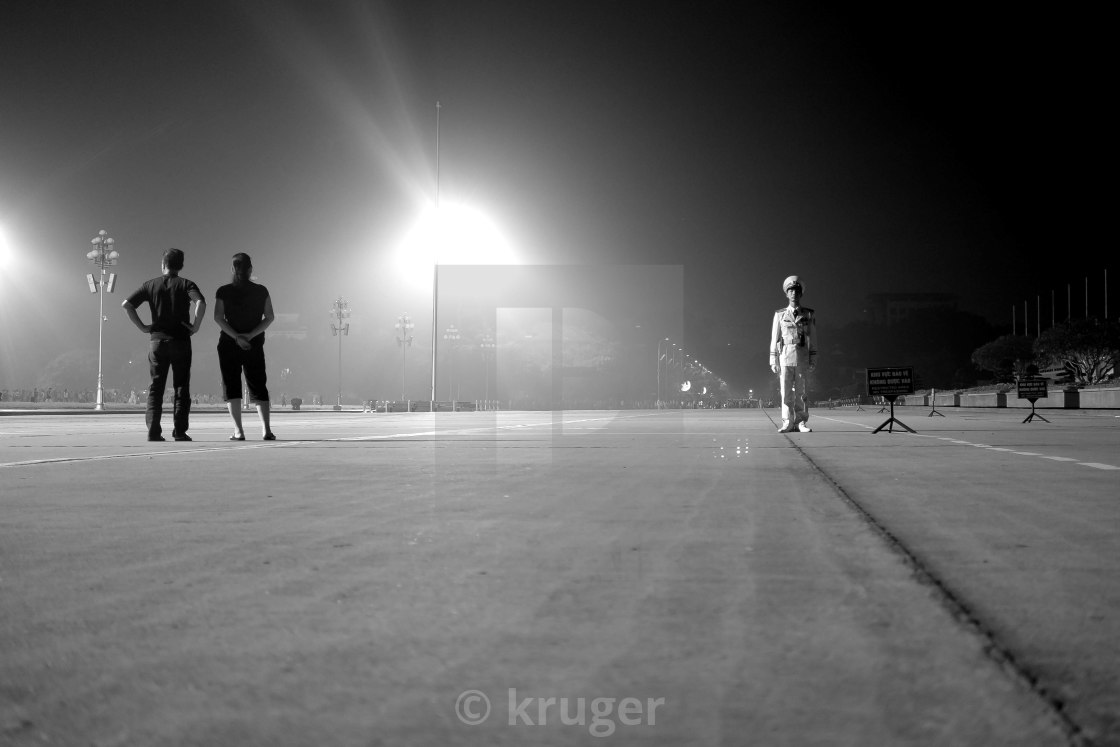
column 793, row 355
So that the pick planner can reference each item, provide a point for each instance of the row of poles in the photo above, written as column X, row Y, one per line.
column 1053, row 308
column 340, row 327
column 452, row 335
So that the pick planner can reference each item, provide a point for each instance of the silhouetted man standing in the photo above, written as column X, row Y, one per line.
column 170, row 298
column 793, row 355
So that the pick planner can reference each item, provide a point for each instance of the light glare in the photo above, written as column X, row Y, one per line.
column 455, row 235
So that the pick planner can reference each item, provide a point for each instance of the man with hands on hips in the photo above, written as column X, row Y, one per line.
column 170, row 298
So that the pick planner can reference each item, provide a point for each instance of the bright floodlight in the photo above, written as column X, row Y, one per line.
column 5, row 252
column 456, row 235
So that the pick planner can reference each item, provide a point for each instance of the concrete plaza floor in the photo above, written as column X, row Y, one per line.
column 586, row 577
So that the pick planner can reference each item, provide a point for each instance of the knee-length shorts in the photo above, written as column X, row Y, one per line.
column 234, row 361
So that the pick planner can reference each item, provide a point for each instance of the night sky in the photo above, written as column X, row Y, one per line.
column 930, row 148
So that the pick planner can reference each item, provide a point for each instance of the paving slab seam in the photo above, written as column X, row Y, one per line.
column 150, row 454
column 1002, row 656
column 286, row 444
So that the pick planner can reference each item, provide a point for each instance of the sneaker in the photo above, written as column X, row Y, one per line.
column 804, row 427
column 156, row 438
column 181, row 437
column 787, row 428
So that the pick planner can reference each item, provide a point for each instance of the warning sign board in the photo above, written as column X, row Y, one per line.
column 1032, row 387
column 890, row 382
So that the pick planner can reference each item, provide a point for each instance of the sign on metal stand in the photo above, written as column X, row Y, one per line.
column 889, row 383
column 1032, row 388
column 933, row 404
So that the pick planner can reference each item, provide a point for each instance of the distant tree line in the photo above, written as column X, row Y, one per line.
column 1086, row 350
column 951, row 349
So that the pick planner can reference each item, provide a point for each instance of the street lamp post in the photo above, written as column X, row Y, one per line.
column 404, row 328
column 284, row 374
column 672, row 390
column 340, row 311
column 102, row 256
column 487, row 345
column 452, row 336
column 661, row 357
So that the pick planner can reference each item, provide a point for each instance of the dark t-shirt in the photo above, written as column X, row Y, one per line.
column 243, row 305
column 170, row 297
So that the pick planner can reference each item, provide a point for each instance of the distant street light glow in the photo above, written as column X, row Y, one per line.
column 455, row 235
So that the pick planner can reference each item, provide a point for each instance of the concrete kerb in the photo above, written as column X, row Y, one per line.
column 1056, row 399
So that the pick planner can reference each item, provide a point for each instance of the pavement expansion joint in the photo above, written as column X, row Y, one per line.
column 958, row 609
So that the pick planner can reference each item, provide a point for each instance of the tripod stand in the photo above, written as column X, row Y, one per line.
column 889, row 422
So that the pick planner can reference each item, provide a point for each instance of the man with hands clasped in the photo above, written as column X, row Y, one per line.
column 793, row 355
column 243, row 309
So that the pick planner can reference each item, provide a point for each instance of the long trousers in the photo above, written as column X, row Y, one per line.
column 795, row 404
column 174, row 355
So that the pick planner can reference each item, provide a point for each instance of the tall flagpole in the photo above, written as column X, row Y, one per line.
column 435, row 268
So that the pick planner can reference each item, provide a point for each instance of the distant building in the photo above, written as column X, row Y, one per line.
column 885, row 309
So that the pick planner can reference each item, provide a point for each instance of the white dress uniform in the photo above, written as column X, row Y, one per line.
column 793, row 347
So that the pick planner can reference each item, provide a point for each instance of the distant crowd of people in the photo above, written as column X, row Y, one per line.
column 121, row 396
column 50, row 394
column 85, row 396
